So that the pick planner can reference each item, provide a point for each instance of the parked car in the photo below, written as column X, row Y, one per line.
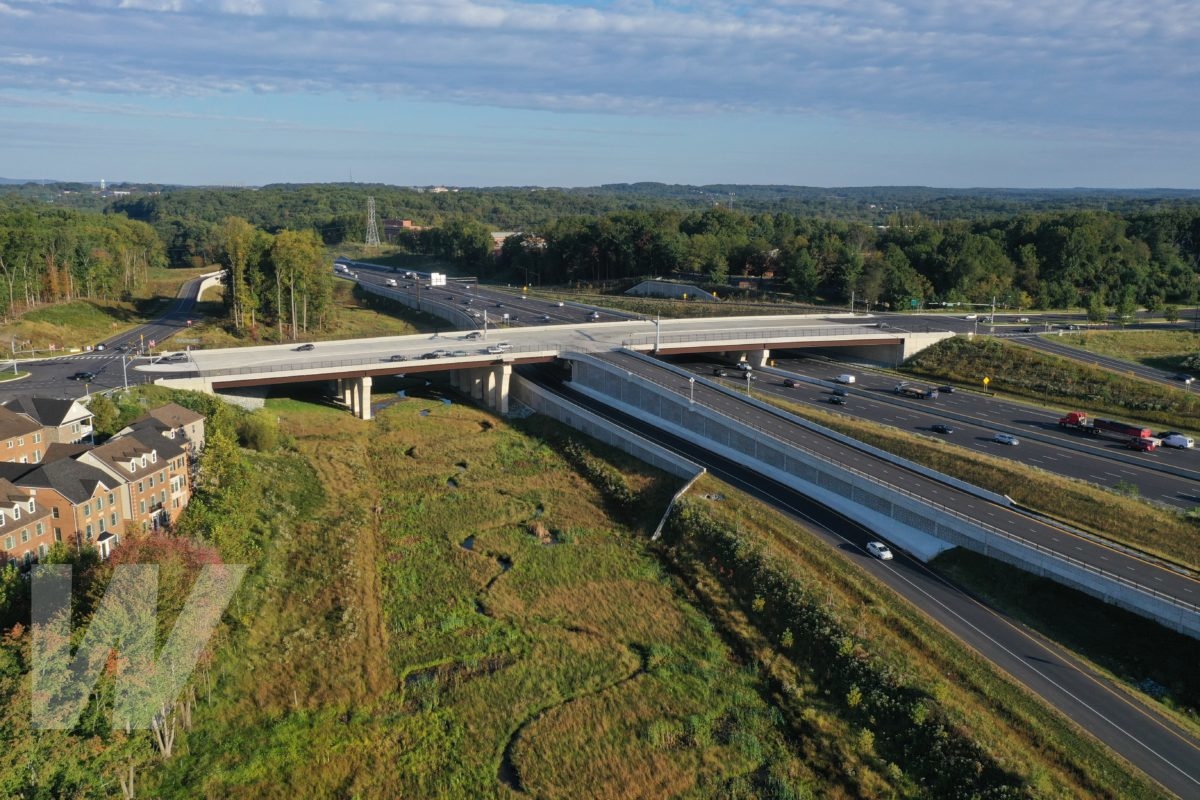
column 399, row 357
column 84, row 376
column 837, row 399
column 941, row 427
column 1178, row 440
column 791, row 383
column 879, row 550
column 304, row 348
column 1006, row 438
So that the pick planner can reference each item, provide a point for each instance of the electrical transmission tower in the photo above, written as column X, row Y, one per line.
column 372, row 226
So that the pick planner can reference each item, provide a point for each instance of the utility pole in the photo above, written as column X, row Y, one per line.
column 124, row 373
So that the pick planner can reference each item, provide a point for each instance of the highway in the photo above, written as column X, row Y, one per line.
column 1151, row 577
column 975, row 417
column 1158, row 747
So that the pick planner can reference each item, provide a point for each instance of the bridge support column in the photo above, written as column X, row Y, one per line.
column 476, row 378
column 345, row 390
column 758, row 358
column 360, row 391
column 497, row 388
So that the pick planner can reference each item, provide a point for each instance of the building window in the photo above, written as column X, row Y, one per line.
column 100, row 502
column 37, row 438
column 39, row 529
column 141, row 488
column 42, row 551
column 58, row 534
column 24, row 534
column 20, row 441
column 142, row 507
column 8, row 542
column 162, row 497
column 102, row 525
column 16, row 512
column 87, row 534
column 54, row 512
column 113, row 519
column 74, row 427
column 37, row 455
column 112, row 498
column 87, row 509
column 32, row 508
column 10, row 444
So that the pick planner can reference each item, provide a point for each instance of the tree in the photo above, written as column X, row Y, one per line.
column 1171, row 313
column 1127, row 306
column 1097, row 312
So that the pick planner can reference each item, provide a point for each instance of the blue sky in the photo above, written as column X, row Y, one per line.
column 1021, row 93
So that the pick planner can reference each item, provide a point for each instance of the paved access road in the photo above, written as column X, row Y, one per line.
column 1154, row 745
column 113, row 366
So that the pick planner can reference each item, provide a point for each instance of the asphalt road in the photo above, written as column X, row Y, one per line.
column 975, row 417
column 1048, row 344
column 1163, row 751
column 771, row 422
column 113, row 368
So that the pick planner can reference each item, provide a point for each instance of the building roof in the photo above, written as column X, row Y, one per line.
column 56, row 451
column 152, row 438
column 48, row 411
column 70, row 478
column 175, row 415
column 13, row 423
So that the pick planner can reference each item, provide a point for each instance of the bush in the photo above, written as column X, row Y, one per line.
column 259, row 431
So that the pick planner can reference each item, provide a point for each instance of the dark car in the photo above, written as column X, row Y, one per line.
column 946, row 389
column 84, row 376
column 941, row 427
column 304, row 348
column 721, row 373
column 837, row 399
column 399, row 357
column 1183, row 377
column 791, row 383
column 434, row 354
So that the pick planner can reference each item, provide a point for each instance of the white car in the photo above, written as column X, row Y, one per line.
column 879, row 550
column 744, row 367
column 495, row 350
column 1178, row 440
column 1006, row 438
column 971, row 317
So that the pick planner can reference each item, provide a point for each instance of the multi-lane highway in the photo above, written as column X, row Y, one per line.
column 1155, row 745
column 1167, row 475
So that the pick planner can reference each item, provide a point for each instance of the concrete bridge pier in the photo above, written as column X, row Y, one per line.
column 496, row 388
column 755, row 358
column 360, row 396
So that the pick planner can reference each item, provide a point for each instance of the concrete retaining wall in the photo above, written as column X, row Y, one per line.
column 915, row 524
column 586, row 422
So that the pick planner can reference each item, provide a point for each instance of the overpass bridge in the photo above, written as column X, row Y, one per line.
column 476, row 367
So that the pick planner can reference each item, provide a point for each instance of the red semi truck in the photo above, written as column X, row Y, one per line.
column 1135, row 436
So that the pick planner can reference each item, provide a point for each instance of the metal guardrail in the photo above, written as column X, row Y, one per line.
column 1119, row 579
column 832, row 331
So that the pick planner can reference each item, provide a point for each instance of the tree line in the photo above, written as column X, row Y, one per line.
column 1046, row 260
column 50, row 254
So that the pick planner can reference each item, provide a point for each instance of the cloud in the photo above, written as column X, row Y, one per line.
column 1096, row 63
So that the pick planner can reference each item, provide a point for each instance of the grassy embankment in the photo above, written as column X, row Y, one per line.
column 1165, row 350
column 1046, row 379
column 373, row 654
column 849, row 658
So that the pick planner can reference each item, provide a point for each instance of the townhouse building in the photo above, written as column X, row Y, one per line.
column 22, row 440
column 25, row 530
column 85, row 505
column 63, row 421
column 152, row 475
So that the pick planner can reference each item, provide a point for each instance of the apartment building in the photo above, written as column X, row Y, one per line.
column 25, row 530
column 63, row 421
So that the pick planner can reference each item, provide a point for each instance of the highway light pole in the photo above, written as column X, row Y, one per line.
column 657, row 332
column 691, row 391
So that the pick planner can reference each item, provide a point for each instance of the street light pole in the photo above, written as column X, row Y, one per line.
column 657, row 333
column 691, row 391
column 124, row 372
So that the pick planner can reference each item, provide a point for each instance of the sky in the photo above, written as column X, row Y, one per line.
column 947, row 93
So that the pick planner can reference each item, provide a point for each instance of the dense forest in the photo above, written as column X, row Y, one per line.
column 48, row 254
column 890, row 247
